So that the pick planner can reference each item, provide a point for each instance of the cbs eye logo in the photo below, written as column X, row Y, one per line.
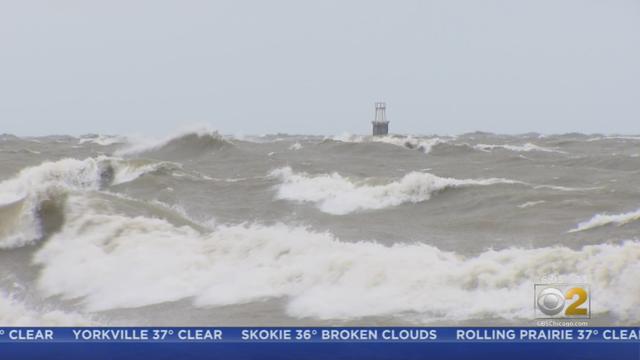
column 562, row 301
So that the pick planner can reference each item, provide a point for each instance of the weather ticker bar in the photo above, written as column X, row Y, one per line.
column 317, row 334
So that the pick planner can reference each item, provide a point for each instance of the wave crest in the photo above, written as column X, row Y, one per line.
column 422, row 144
column 600, row 220
column 102, row 140
column 31, row 202
column 528, row 147
column 335, row 194
column 179, row 146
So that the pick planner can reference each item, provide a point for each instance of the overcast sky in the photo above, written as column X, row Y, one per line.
column 317, row 67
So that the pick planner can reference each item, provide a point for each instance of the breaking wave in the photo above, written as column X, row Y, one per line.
column 144, row 261
column 102, row 140
column 183, row 145
column 31, row 202
column 423, row 144
column 296, row 146
column 21, row 151
column 528, row 147
column 600, row 220
column 615, row 137
column 335, row 194
column 427, row 145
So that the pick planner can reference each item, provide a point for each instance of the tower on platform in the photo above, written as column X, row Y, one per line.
column 380, row 122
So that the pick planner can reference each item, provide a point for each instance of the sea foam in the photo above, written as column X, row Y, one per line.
column 111, row 261
column 14, row 312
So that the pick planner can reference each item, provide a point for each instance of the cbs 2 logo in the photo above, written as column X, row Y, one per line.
column 552, row 299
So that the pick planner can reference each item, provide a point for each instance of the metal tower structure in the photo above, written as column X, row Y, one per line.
column 380, row 122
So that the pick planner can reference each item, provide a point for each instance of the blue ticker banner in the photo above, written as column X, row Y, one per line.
column 320, row 342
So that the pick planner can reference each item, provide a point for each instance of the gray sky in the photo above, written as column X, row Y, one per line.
column 316, row 67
